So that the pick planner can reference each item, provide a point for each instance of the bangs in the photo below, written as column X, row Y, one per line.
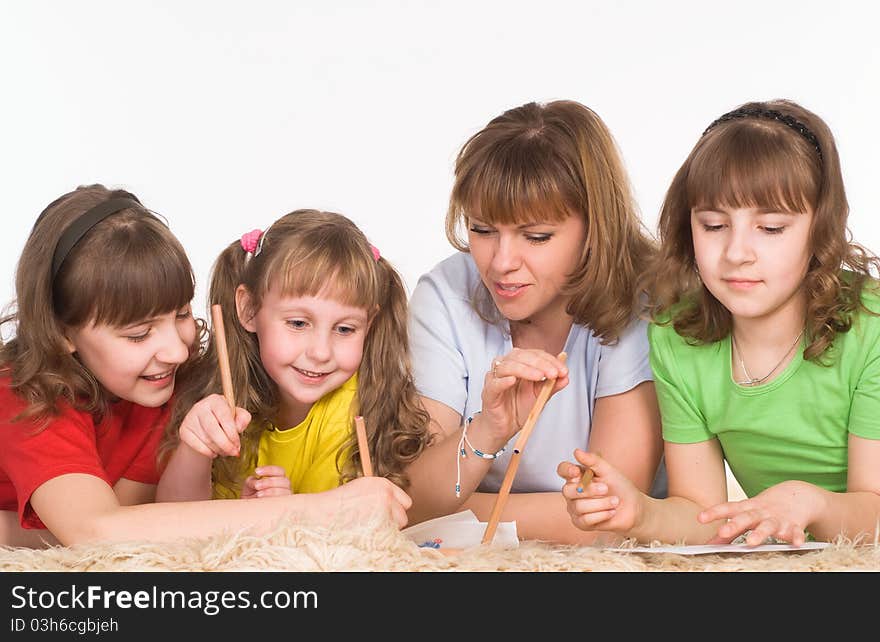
column 140, row 271
column 330, row 267
column 748, row 164
column 519, row 182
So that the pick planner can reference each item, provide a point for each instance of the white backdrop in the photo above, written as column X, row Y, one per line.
column 224, row 118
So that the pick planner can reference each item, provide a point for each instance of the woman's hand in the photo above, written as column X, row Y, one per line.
column 512, row 385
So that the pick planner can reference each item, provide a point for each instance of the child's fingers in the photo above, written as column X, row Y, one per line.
column 197, row 444
column 595, row 462
column 589, row 521
column 766, row 528
column 739, row 524
column 724, row 510
column 242, row 419
column 270, row 471
column 399, row 496
column 225, row 418
column 398, row 514
column 791, row 533
column 269, row 483
column 216, row 436
column 593, row 505
column 721, row 540
column 569, row 471
column 578, row 490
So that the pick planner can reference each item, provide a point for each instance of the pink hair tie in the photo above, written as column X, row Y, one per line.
column 375, row 251
column 250, row 242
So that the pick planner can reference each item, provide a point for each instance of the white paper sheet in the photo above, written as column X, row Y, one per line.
column 703, row 549
column 460, row 530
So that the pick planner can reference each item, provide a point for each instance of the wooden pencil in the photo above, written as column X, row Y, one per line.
column 223, row 355
column 586, row 476
column 363, row 446
column 518, row 447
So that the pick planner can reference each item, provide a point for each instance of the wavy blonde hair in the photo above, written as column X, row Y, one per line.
column 127, row 268
column 760, row 162
column 545, row 162
column 311, row 253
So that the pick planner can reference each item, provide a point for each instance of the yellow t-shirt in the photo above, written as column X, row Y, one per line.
column 308, row 451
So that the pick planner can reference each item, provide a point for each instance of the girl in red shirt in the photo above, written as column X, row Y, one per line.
column 103, row 329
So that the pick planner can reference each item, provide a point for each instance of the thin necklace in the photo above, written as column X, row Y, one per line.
column 750, row 380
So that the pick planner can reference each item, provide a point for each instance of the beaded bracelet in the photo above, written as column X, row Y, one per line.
column 462, row 453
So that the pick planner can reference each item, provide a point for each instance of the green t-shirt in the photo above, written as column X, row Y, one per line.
column 794, row 427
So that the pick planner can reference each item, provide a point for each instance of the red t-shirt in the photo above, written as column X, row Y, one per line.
column 123, row 445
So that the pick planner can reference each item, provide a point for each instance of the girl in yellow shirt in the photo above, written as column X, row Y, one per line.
column 315, row 325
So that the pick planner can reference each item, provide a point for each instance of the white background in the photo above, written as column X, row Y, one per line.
column 224, row 117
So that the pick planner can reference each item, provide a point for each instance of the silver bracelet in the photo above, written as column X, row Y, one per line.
column 462, row 453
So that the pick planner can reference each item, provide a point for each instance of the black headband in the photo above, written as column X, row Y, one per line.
column 76, row 230
column 771, row 114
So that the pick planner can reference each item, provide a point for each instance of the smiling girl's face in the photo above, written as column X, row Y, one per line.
column 309, row 346
column 136, row 362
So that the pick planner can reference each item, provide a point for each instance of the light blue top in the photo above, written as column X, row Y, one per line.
column 453, row 349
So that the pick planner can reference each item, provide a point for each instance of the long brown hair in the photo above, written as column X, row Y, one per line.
column 311, row 253
column 761, row 162
column 545, row 162
column 126, row 268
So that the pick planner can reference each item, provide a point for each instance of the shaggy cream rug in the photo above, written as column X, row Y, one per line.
column 296, row 547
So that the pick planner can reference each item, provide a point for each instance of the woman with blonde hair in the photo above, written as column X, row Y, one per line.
column 549, row 264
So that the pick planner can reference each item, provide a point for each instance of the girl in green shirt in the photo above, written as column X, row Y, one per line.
column 765, row 347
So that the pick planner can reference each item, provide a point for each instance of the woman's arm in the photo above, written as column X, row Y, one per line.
column 434, row 474
column 539, row 516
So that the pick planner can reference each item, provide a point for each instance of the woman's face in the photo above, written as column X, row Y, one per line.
column 524, row 267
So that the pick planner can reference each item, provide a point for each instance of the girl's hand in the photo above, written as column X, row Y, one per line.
column 367, row 498
column 211, row 429
column 783, row 511
column 609, row 502
column 512, row 385
column 268, row 481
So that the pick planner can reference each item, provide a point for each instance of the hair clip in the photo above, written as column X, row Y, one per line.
column 375, row 251
column 252, row 243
